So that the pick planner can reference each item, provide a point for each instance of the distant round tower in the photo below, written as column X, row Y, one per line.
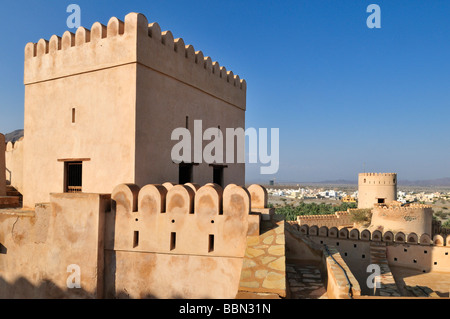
column 376, row 188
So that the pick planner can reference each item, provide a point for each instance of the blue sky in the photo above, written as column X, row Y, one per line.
column 342, row 94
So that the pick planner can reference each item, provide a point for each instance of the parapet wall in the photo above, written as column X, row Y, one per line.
column 376, row 236
column 14, row 164
column 183, row 219
column 338, row 219
column 161, row 241
column 2, row 166
column 180, row 241
column 41, row 249
column 132, row 41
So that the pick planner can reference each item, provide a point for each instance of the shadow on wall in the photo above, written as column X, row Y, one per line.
column 22, row 288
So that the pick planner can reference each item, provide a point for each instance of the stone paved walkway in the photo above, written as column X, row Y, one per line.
column 305, row 282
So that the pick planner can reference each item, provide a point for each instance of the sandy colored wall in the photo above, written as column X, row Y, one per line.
column 2, row 166
column 372, row 186
column 338, row 219
column 413, row 219
column 93, row 72
column 157, row 261
column 14, row 164
column 175, row 81
column 171, row 276
column 103, row 132
column 355, row 254
column 341, row 282
column 418, row 257
column 38, row 247
column 159, row 114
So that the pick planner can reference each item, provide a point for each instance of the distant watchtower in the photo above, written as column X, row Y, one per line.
column 376, row 188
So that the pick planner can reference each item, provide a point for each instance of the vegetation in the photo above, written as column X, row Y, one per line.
column 291, row 211
column 361, row 216
column 441, row 214
column 446, row 224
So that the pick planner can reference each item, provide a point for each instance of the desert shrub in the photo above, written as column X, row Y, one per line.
column 361, row 216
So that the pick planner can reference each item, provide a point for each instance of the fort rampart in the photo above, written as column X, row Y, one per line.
column 159, row 241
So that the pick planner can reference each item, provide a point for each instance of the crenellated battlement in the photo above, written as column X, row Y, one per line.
column 378, row 174
column 133, row 40
column 10, row 146
column 396, row 207
column 373, row 236
column 184, row 219
column 336, row 219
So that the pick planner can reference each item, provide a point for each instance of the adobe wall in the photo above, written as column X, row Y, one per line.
column 94, row 72
column 409, row 219
column 421, row 258
column 14, row 164
column 38, row 246
column 2, row 166
column 372, row 186
column 355, row 254
column 103, row 133
column 341, row 282
column 200, row 89
column 175, row 227
column 183, row 101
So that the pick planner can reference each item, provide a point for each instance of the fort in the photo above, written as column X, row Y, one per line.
column 93, row 184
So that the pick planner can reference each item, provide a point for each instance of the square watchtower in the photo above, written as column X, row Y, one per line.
column 101, row 104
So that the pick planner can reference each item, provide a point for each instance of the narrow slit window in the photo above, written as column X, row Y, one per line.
column 173, row 241
column 211, row 244
column 73, row 115
column 187, row 122
column 136, row 239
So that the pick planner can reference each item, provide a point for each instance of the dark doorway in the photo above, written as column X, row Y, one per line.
column 73, row 177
